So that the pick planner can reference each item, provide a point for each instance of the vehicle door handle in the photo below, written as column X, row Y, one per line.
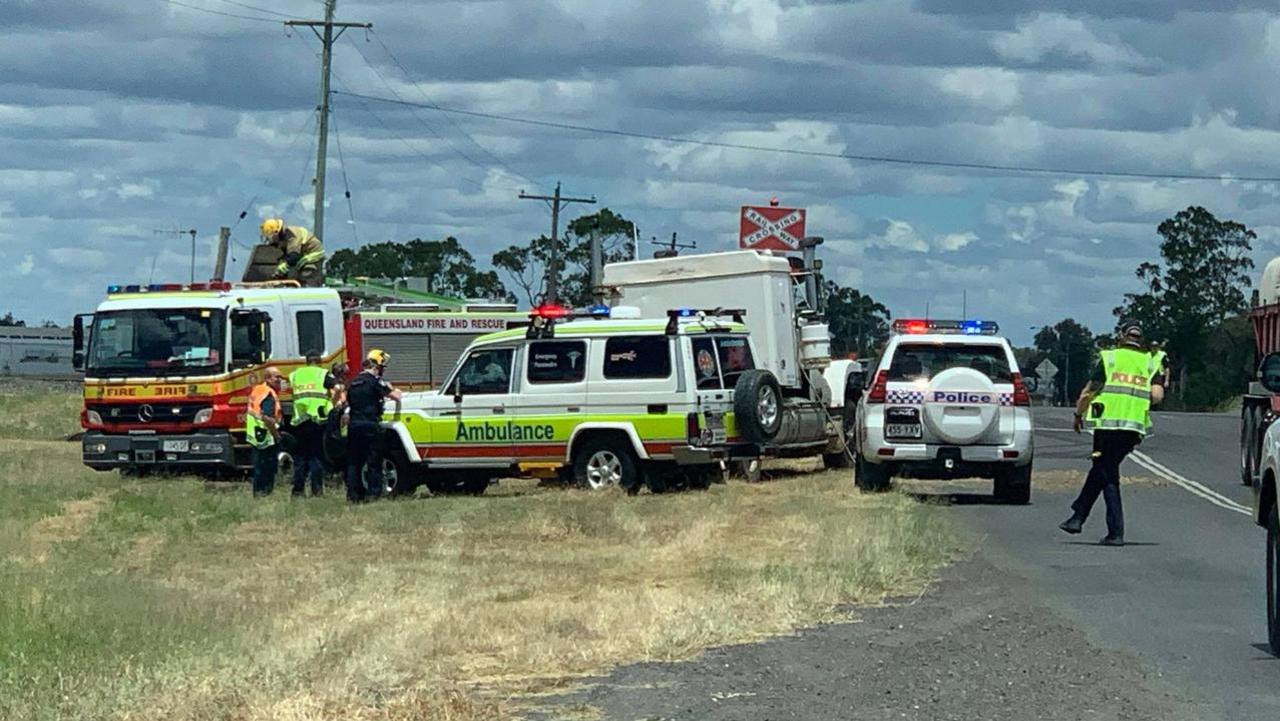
column 499, row 410
column 450, row 413
column 573, row 409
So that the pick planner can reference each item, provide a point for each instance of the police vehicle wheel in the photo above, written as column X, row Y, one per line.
column 1013, row 485
column 604, row 462
column 757, row 406
column 870, row 477
column 1273, row 579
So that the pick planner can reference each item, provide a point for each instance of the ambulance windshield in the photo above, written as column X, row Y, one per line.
column 158, row 341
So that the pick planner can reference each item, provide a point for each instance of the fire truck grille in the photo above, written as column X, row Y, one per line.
column 147, row 412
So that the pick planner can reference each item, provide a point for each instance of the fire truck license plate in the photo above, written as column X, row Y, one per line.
column 176, row 446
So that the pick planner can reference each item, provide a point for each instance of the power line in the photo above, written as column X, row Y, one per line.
column 408, row 76
column 219, row 12
column 430, row 128
column 254, row 8
column 346, row 185
column 887, row 159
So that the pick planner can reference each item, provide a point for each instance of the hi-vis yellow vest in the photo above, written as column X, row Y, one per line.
column 310, row 399
column 1126, row 394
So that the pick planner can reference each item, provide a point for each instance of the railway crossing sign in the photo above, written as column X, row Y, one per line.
column 771, row 228
column 1047, row 370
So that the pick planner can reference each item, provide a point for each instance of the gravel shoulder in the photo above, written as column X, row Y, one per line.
column 977, row 645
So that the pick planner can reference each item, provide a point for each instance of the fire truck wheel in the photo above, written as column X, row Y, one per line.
column 605, row 461
column 757, row 406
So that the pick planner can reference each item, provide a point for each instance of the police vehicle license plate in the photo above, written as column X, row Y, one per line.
column 176, row 446
column 715, row 424
column 902, row 430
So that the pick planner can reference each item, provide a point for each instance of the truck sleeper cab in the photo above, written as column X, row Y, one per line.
column 601, row 402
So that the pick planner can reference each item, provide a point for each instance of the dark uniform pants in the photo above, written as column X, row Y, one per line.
column 364, row 448
column 266, row 463
column 1109, row 449
column 308, row 457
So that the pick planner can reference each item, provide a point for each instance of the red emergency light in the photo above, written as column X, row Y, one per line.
column 550, row 311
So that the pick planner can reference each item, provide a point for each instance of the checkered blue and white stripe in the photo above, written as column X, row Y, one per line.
column 913, row 398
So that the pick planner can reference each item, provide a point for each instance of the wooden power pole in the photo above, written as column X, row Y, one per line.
column 324, row 29
column 556, row 202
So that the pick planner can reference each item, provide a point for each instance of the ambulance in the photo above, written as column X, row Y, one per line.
column 601, row 399
column 168, row 367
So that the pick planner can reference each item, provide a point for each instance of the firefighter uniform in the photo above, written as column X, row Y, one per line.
column 311, row 408
column 260, row 426
column 1120, row 417
column 302, row 252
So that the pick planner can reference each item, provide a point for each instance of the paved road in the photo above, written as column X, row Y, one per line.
column 1040, row 624
column 1186, row 597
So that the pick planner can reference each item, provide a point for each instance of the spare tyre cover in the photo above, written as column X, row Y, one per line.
column 960, row 406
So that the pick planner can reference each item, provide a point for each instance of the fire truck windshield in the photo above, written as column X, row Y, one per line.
column 158, row 341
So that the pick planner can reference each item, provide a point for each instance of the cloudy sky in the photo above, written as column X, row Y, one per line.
column 121, row 118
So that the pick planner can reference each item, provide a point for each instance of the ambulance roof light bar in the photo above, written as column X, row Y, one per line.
column 543, row 317
column 675, row 315
column 921, row 326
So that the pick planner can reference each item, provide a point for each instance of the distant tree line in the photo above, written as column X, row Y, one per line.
column 1193, row 305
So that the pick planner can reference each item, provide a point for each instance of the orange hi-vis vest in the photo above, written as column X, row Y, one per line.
column 255, row 430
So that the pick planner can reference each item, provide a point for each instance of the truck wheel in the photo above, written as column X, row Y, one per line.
column 747, row 469
column 848, row 429
column 870, row 477
column 1273, row 578
column 1013, row 485
column 603, row 462
column 1247, row 435
column 757, row 406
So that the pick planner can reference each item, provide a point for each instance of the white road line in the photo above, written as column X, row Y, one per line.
column 1163, row 471
column 1197, row 488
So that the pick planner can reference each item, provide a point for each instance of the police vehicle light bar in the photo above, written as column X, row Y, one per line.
column 920, row 326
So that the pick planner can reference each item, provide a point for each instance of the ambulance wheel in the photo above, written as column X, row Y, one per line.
column 400, row 476
column 603, row 462
column 757, row 406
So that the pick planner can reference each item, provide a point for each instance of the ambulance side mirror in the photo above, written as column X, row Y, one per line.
column 1269, row 372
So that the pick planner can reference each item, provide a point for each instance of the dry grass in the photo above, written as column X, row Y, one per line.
column 173, row 599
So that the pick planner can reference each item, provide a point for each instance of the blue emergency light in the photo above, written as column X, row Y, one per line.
column 599, row 311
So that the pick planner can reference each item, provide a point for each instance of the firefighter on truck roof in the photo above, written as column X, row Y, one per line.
column 301, row 252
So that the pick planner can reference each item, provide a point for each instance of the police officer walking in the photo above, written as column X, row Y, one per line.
column 262, row 428
column 1116, row 405
column 365, row 399
column 311, row 407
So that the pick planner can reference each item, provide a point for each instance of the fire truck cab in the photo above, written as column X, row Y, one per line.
column 168, row 368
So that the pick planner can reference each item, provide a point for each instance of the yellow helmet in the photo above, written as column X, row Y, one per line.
column 271, row 227
column 379, row 356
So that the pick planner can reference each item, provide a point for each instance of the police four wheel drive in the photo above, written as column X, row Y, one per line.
column 610, row 399
column 946, row 400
